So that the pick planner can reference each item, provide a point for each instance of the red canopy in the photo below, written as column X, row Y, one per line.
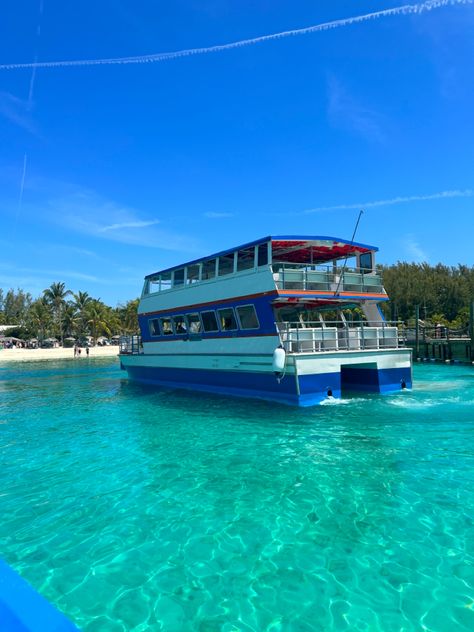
column 309, row 251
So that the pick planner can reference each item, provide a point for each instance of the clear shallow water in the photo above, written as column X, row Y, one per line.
column 136, row 509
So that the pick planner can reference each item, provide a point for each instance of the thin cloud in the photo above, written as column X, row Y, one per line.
column 414, row 250
column 136, row 224
column 80, row 211
column 47, row 273
column 407, row 9
column 83, row 252
column 16, row 111
column 213, row 215
column 393, row 201
column 346, row 112
column 71, row 274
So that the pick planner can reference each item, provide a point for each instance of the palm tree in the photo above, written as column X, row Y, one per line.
column 98, row 319
column 40, row 318
column 81, row 301
column 56, row 296
column 129, row 317
column 70, row 320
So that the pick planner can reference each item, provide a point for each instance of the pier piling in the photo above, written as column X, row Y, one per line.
column 417, row 331
column 471, row 328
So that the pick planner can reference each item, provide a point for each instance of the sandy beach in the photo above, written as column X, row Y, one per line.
column 27, row 355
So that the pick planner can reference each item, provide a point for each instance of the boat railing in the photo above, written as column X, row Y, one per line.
column 433, row 333
column 307, row 337
column 130, row 345
column 326, row 278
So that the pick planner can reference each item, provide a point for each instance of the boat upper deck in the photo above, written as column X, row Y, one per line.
column 295, row 263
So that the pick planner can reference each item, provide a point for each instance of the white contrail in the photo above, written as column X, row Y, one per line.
column 397, row 200
column 406, row 9
column 22, row 188
column 34, row 66
column 32, row 83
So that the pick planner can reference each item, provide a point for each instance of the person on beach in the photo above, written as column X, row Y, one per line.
column 87, row 351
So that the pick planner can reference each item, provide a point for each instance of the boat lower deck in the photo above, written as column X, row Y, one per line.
column 308, row 378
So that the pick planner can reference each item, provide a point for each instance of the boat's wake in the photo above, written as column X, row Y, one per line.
column 332, row 401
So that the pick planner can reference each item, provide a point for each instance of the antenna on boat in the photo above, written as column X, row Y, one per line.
column 341, row 276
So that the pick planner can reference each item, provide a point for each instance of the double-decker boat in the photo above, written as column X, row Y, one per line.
column 280, row 318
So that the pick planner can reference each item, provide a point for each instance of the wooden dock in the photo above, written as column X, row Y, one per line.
column 441, row 344
column 444, row 350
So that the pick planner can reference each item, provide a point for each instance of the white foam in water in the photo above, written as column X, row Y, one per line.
column 332, row 401
column 413, row 403
column 450, row 385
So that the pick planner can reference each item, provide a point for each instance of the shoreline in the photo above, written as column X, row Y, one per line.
column 60, row 353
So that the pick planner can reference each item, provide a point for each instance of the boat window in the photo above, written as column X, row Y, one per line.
column 194, row 323
column 226, row 264
column 192, row 275
column 154, row 327
column 152, row 285
column 209, row 269
column 365, row 262
column 262, row 255
column 166, row 326
column 180, row 325
column 209, row 321
column 245, row 259
column 178, row 278
column 247, row 317
column 165, row 281
column 227, row 319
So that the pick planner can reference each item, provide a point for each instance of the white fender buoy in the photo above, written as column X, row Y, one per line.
column 279, row 360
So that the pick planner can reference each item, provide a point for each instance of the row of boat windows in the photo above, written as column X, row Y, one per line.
column 238, row 261
column 225, row 319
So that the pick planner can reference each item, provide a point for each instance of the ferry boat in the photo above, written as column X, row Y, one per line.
column 280, row 318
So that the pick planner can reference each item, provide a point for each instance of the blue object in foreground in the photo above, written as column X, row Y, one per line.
column 22, row 609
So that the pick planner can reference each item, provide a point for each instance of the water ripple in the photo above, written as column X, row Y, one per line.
column 137, row 509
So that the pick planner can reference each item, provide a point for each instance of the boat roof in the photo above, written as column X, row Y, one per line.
column 295, row 249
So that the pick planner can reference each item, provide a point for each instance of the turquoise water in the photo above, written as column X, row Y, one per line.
column 135, row 509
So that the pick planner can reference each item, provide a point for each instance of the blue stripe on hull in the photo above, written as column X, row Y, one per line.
column 313, row 388
column 240, row 384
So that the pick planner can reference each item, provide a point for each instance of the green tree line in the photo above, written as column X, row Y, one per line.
column 61, row 313
column 442, row 292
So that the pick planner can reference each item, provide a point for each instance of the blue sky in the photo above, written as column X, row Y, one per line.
column 109, row 172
